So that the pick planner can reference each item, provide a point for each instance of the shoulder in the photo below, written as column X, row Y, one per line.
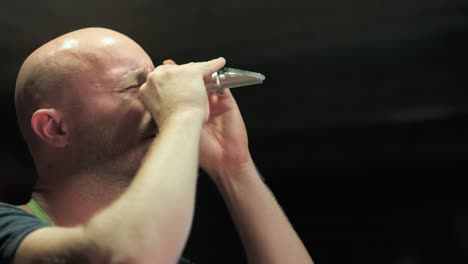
column 13, row 218
column 8, row 207
column 7, row 211
column 15, row 224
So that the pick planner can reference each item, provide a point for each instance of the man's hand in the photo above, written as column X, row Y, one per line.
column 265, row 231
column 225, row 156
column 171, row 89
column 224, row 144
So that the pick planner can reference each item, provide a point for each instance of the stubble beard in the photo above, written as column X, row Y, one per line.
column 112, row 160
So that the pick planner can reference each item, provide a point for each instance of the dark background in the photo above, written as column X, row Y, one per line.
column 360, row 127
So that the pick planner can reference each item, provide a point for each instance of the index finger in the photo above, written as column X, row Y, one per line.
column 209, row 67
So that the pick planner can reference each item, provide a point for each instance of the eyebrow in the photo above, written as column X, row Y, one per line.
column 130, row 77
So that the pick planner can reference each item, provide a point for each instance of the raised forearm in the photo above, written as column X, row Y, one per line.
column 265, row 231
column 151, row 221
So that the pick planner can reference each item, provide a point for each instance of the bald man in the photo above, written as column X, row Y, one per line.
column 114, row 187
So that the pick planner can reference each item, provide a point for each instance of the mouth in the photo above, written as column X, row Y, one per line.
column 152, row 134
column 152, row 130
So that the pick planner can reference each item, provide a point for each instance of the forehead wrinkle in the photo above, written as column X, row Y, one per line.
column 131, row 76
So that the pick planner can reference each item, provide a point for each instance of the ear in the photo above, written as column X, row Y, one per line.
column 48, row 124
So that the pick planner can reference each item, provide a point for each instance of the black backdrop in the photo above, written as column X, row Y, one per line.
column 359, row 129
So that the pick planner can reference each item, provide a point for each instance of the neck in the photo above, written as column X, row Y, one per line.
column 71, row 196
column 73, row 199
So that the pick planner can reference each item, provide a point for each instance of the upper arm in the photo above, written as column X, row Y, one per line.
column 57, row 245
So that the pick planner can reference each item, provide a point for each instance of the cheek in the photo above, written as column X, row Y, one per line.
column 115, row 116
column 117, row 107
column 100, row 111
column 132, row 113
column 125, row 117
column 133, row 108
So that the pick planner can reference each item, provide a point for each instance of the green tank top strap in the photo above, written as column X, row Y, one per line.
column 39, row 212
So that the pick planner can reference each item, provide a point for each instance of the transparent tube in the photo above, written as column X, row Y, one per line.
column 232, row 78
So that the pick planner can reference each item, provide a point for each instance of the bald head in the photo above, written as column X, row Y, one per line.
column 48, row 77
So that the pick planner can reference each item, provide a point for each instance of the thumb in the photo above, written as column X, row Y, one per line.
column 169, row 62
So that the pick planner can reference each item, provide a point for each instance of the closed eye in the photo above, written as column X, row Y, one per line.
column 130, row 88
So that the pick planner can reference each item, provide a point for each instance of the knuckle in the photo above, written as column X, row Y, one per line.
column 152, row 76
column 162, row 73
column 142, row 91
column 169, row 72
column 143, row 88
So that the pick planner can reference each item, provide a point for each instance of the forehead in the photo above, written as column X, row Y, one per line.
column 114, row 66
column 125, row 77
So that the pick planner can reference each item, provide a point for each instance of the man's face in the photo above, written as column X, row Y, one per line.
column 110, row 127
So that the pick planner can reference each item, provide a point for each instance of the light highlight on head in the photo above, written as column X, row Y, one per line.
column 50, row 78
